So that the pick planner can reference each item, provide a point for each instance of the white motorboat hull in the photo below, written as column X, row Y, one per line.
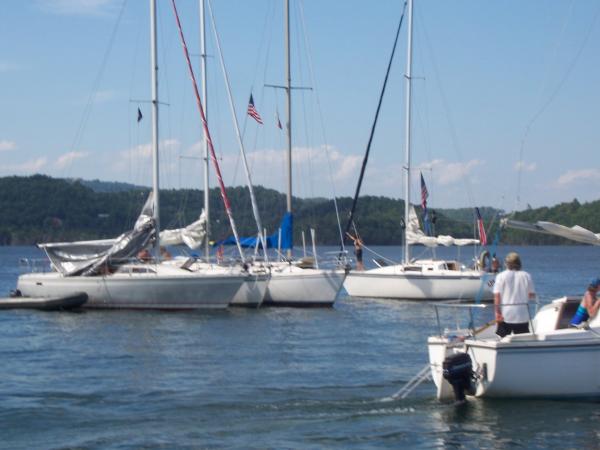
column 137, row 290
column 551, row 363
column 294, row 286
column 394, row 283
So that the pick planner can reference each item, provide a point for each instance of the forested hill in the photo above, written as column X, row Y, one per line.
column 43, row 209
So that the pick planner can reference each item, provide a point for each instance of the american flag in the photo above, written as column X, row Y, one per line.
column 480, row 227
column 252, row 112
column 424, row 193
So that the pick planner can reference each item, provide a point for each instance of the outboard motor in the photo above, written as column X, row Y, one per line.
column 458, row 371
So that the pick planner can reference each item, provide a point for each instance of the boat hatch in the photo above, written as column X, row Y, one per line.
column 567, row 311
column 452, row 265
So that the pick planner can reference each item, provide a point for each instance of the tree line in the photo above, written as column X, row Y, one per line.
column 43, row 209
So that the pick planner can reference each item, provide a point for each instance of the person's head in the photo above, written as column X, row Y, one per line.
column 594, row 285
column 513, row 261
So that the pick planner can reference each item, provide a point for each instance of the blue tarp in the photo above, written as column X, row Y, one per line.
column 287, row 242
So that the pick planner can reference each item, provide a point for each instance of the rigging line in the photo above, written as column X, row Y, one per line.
column 551, row 98
column 226, row 203
column 370, row 141
column 322, row 123
column 453, row 135
column 87, row 110
column 237, row 130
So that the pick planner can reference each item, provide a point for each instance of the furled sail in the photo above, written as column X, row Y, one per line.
column 574, row 233
column 192, row 235
column 414, row 235
column 91, row 257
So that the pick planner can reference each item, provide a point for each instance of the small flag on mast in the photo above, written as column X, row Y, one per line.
column 139, row 119
column 424, row 193
column 252, row 112
column 426, row 219
column 480, row 227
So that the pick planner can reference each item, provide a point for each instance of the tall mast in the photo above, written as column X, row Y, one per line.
column 154, row 71
column 238, row 134
column 205, row 142
column 408, row 77
column 288, row 91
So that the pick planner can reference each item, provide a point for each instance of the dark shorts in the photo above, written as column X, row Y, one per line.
column 358, row 255
column 504, row 329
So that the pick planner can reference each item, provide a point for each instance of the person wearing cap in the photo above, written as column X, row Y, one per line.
column 512, row 289
column 589, row 304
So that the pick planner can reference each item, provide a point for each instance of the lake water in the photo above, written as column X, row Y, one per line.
column 267, row 378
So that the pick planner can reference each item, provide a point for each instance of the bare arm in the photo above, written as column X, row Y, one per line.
column 594, row 305
column 497, row 302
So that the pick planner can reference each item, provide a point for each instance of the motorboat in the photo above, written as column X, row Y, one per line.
column 554, row 360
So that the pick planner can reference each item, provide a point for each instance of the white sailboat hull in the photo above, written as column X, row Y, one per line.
column 252, row 291
column 294, row 286
column 551, row 363
column 394, row 283
column 566, row 368
column 137, row 290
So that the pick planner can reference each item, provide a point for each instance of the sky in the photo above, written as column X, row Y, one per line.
column 506, row 98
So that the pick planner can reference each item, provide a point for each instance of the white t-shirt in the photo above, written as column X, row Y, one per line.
column 514, row 287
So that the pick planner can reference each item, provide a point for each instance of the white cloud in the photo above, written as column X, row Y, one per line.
column 68, row 158
column 78, row 7
column 105, row 96
column 6, row 146
column 573, row 176
column 143, row 152
column 525, row 166
column 31, row 166
column 450, row 172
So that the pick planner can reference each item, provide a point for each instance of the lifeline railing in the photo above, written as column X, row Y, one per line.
column 477, row 306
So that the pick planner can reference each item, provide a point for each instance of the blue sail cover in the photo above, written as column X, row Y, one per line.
column 287, row 241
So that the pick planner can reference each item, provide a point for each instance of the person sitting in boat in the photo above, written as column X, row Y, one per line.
column 165, row 254
column 495, row 264
column 358, row 252
column 512, row 289
column 144, row 256
column 589, row 306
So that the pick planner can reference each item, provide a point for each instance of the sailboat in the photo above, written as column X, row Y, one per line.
column 293, row 283
column 252, row 291
column 102, row 269
column 422, row 279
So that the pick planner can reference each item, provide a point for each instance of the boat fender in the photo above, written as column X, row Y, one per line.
column 458, row 371
column 484, row 260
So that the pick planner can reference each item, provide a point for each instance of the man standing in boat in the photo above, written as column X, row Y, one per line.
column 512, row 289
